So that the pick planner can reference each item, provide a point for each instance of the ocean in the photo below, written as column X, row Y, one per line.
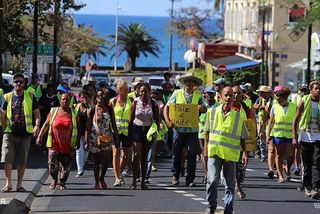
column 104, row 25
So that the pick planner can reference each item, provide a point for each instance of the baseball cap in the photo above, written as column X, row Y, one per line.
column 210, row 89
column 19, row 74
column 220, row 81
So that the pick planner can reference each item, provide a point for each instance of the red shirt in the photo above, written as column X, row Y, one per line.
column 61, row 134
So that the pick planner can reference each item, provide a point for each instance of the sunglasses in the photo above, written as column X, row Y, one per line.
column 18, row 81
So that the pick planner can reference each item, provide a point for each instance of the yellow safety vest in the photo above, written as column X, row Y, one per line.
column 132, row 95
column 1, row 96
column 53, row 114
column 122, row 116
column 36, row 91
column 225, row 134
column 27, row 109
column 307, row 113
column 77, row 107
column 283, row 122
column 248, row 102
column 180, row 99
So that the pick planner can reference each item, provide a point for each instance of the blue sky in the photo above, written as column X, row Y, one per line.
column 139, row 7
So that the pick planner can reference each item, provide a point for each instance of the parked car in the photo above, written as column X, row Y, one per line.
column 7, row 80
column 97, row 76
column 69, row 75
column 155, row 82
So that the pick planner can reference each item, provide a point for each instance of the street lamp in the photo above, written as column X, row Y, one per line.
column 116, row 38
column 171, row 33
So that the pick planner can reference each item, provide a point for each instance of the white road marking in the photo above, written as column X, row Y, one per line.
column 205, row 203
column 171, row 188
column 198, row 199
column 162, row 185
column 180, row 191
column 189, row 195
column 250, row 170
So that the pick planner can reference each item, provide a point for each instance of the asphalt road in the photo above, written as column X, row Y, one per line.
column 263, row 195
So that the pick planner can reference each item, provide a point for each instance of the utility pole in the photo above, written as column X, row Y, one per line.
column 1, row 40
column 262, row 72
column 116, row 38
column 35, row 38
column 55, row 39
column 308, row 71
column 171, row 35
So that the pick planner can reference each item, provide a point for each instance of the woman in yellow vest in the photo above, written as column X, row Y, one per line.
column 121, row 105
column 63, row 140
column 279, row 130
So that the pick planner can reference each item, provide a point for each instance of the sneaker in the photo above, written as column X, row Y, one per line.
column 308, row 192
column 117, row 183
column 271, row 174
column 296, row 171
column 300, row 187
column 175, row 181
column 263, row 159
column 154, row 169
column 79, row 174
column 147, row 181
column 122, row 180
column 315, row 194
column 192, row 184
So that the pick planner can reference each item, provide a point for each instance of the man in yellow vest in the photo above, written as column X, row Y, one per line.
column 307, row 121
column 184, row 137
column 35, row 87
column 18, row 110
column 224, row 130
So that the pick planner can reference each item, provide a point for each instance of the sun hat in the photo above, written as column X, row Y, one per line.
column 136, row 81
column 248, row 86
column 279, row 88
column 191, row 77
column 209, row 89
column 264, row 88
column 220, row 81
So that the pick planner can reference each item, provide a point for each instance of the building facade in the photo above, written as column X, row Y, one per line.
column 282, row 47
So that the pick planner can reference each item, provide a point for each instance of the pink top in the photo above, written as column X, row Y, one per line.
column 143, row 114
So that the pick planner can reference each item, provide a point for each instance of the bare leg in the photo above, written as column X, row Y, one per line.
column 125, row 158
column 8, row 173
column 20, row 169
column 116, row 161
column 279, row 159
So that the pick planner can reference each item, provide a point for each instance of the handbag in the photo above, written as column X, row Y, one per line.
column 103, row 140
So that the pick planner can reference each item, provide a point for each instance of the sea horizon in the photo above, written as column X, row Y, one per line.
column 104, row 25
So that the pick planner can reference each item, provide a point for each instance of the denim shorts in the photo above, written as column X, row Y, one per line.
column 281, row 140
column 139, row 134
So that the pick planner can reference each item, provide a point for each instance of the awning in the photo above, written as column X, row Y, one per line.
column 234, row 62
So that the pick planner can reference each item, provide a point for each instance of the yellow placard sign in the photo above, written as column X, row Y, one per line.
column 251, row 142
column 184, row 115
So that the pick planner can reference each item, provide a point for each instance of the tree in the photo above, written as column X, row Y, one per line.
column 134, row 40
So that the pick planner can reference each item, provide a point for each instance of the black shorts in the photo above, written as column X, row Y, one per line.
column 139, row 134
column 124, row 140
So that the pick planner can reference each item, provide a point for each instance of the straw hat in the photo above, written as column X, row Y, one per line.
column 264, row 88
column 136, row 81
column 191, row 77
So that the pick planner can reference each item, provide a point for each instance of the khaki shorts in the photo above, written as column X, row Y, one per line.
column 15, row 146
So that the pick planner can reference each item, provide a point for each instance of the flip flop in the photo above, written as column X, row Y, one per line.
column 6, row 189
column 21, row 189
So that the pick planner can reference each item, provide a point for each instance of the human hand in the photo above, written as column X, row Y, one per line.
column 39, row 141
column 36, row 131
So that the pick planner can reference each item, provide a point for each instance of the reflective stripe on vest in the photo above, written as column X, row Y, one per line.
column 77, row 107
column 283, row 122
column 122, row 116
column 27, row 110
column 53, row 114
column 180, row 99
column 225, row 134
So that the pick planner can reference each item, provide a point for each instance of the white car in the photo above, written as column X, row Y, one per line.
column 7, row 78
column 156, row 82
column 97, row 76
column 69, row 75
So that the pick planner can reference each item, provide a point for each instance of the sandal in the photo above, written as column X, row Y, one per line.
column 53, row 185
column 21, row 189
column 6, row 189
column 280, row 180
column 241, row 194
column 117, row 183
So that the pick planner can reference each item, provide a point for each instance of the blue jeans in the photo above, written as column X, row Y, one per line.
column 151, row 156
column 215, row 165
column 188, row 141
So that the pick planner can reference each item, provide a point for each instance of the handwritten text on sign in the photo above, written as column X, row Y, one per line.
column 184, row 115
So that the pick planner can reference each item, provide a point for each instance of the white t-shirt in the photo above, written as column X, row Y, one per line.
column 313, row 133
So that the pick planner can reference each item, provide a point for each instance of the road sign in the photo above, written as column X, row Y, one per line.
column 41, row 59
column 221, row 69
column 44, row 49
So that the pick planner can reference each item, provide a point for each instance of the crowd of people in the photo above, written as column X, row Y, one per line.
column 130, row 128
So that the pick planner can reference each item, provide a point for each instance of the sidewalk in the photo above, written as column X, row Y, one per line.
column 35, row 176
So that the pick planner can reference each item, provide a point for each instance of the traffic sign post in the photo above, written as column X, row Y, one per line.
column 221, row 69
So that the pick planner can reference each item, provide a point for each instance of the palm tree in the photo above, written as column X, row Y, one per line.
column 134, row 40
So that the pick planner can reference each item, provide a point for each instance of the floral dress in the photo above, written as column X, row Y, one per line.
column 101, row 124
